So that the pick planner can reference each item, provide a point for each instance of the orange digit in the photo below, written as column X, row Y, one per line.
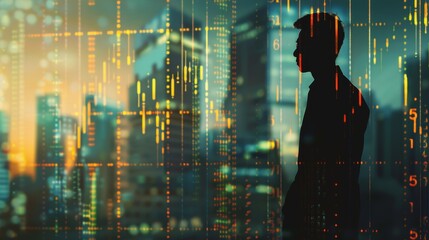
column 413, row 234
column 413, row 180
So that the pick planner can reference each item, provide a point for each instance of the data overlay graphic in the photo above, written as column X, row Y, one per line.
column 181, row 119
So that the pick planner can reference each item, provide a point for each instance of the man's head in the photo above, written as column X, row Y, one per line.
column 319, row 41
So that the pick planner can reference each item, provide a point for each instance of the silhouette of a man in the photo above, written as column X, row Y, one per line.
column 323, row 201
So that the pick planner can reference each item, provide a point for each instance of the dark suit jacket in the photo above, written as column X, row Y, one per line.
column 324, row 198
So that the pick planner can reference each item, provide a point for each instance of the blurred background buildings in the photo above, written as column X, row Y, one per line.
column 180, row 119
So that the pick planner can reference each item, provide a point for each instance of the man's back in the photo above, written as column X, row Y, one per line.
column 323, row 201
column 324, row 198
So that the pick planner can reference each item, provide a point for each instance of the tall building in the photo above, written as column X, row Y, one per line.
column 49, row 199
column 48, row 137
column 4, row 162
column 253, row 177
column 96, row 161
column 5, row 193
column 71, row 194
column 163, row 143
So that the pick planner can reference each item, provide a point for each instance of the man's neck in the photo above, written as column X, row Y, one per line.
column 324, row 73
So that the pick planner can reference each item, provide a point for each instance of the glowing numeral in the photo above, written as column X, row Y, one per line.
column 413, row 234
column 275, row 19
column 413, row 117
column 276, row 44
column 413, row 180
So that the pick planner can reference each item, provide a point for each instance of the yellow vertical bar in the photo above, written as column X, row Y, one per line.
column 138, row 93
column 144, row 113
column 172, row 85
column 162, row 131
column 143, row 121
column 78, row 137
column 201, row 72
column 400, row 62
column 375, row 50
column 84, row 119
column 185, row 73
column 157, row 136
column 153, row 88
column 405, row 90
column 195, row 76
column 157, row 126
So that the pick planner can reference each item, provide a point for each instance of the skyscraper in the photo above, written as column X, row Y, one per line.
column 97, row 160
column 163, row 144
column 48, row 136
column 71, row 195
column 49, row 200
column 49, row 172
column 253, row 177
column 4, row 165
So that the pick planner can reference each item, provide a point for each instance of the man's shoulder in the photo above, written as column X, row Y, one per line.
column 350, row 91
column 348, row 84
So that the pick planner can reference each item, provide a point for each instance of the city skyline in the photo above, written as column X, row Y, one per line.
column 106, row 109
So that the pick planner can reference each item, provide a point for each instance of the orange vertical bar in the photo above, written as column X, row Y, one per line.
column 336, row 35
column 311, row 22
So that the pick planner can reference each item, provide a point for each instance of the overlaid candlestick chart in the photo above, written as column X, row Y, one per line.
column 180, row 119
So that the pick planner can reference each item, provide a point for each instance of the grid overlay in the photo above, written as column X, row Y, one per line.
column 180, row 119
